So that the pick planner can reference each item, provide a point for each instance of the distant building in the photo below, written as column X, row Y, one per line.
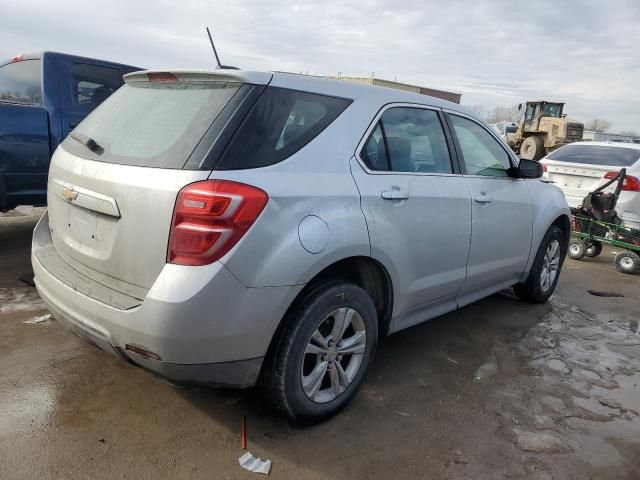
column 609, row 137
column 450, row 96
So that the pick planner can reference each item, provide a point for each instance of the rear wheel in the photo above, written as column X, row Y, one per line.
column 321, row 355
column 532, row 148
column 593, row 250
column 545, row 271
column 627, row 262
column 577, row 248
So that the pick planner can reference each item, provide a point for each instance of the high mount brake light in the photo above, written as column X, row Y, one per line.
column 162, row 77
column 630, row 184
column 209, row 219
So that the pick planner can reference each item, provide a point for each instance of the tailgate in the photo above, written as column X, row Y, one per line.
column 111, row 222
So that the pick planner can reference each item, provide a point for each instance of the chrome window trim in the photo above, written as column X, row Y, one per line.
column 372, row 127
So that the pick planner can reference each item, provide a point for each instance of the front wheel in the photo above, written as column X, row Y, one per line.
column 545, row 271
column 627, row 262
column 318, row 362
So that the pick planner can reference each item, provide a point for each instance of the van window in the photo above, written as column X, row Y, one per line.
column 152, row 124
column 281, row 122
column 93, row 84
column 21, row 82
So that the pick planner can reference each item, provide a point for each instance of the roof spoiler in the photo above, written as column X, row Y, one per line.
column 221, row 75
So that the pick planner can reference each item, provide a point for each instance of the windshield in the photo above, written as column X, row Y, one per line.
column 552, row 110
column 596, row 155
column 151, row 124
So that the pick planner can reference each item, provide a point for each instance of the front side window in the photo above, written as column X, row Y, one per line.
column 280, row 123
column 480, row 151
column 93, row 84
column 21, row 82
column 408, row 140
column 552, row 110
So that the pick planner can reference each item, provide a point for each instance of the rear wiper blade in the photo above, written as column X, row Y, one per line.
column 88, row 142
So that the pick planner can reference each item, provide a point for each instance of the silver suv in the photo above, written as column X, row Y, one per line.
column 239, row 228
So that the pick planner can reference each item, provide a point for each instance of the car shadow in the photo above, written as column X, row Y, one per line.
column 420, row 385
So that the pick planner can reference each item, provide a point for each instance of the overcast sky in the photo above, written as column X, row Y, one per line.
column 585, row 53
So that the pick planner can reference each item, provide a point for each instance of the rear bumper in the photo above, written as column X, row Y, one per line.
column 202, row 323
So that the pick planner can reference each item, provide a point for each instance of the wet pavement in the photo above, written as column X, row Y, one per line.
column 499, row 389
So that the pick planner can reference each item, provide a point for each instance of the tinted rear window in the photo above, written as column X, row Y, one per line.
column 596, row 155
column 21, row 82
column 153, row 124
column 281, row 122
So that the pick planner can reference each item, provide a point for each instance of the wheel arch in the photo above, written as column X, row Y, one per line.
column 367, row 273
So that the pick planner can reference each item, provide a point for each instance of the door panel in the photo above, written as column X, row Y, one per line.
column 418, row 211
column 502, row 215
column 501, row 227
column 424, row 231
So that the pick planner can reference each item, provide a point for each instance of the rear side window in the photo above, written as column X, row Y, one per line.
column 596, row 155
column 21, row 82
column 93, row 84
column 281, row 122
column 413, row 140
column 153, row 124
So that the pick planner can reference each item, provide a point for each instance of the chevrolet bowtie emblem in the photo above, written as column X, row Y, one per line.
column 69, row 194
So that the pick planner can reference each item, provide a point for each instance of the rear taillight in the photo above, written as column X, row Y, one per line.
column 17, row 58
column 544, row 168
column 630, row 184
column 209, row 218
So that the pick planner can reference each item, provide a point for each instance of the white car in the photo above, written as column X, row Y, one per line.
column 581, row 167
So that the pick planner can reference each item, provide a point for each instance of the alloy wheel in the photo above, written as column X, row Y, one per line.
column 333, row 355
column 550, row 264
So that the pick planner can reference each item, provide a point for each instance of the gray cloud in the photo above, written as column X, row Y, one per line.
column 495, row 52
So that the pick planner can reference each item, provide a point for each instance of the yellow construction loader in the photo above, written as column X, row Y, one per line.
column 542, row 127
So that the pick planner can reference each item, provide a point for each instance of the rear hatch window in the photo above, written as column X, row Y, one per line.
column 151, row 124
column 21, row 82
column 596, row 155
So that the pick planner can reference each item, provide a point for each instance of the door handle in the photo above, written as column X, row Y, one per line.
column 395, row 194
column 483, row 198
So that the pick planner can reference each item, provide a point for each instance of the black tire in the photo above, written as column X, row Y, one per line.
column 627, row 262
column 531, row 290
column 532, row 148
column 593, row 250
column 280, row 379
column 577, row 249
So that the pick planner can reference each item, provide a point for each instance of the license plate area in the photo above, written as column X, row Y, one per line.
column 81, row 225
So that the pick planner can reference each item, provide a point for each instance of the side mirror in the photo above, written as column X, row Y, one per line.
column 527, row 169
column 511, row 129
column 519, row 106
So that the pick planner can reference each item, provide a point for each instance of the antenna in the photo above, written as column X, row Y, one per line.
column 214, row 48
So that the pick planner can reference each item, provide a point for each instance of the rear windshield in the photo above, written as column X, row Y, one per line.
column 596, row 155
column 152, row 124
column 21, row 82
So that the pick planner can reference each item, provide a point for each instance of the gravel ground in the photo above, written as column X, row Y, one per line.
column 499, row 389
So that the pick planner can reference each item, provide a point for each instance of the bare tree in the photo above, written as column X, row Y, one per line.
column 478, row 110
column 631, row 133
column 503, row 114
column 598, row 125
